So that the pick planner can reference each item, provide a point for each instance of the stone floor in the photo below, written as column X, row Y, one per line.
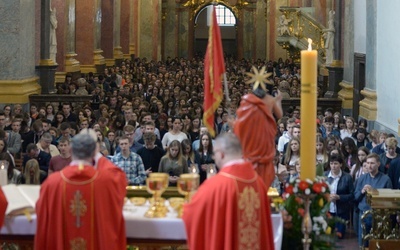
column 349, row 242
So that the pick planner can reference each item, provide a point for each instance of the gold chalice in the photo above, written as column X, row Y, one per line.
column 187, row 185
column 156, row 184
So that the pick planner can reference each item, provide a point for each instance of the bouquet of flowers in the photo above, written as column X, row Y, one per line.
column 293, row 204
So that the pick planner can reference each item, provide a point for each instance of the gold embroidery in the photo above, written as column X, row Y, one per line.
column 78, row 182
column 78, row 244
column 78, row 207
column 249, row 224
column 240, row 179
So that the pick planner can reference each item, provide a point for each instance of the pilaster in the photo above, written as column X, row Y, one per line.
column 118, row 55
column 17, row 38
column 48, row 47
column 346, row 95
column 368, row 106
column 72, row 65
column 88, row 46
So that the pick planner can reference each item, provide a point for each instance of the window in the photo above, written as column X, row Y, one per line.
column 224, row 15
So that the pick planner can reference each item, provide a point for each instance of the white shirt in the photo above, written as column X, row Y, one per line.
column 333, row 188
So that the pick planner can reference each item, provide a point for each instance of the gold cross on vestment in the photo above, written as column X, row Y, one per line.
column 78, row 207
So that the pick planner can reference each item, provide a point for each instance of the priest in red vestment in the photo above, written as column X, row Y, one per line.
column 256, row 128
column 3, row 207
column 80, row 207
column 230, row 211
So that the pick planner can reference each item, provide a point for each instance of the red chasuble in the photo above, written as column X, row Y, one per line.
column 255, row 127
column 230, row 211
column 3, row 207
column 82, row 209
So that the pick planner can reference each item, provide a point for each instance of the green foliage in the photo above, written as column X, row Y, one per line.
column 322, row 235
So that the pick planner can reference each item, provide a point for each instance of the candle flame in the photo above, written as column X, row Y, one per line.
column 211, row 170
column 309, row 44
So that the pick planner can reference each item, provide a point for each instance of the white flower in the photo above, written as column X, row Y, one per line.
column 321, row 221
column 295, row 190
column 308, row 191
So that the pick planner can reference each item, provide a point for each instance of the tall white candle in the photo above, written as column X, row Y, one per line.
column 3, row 175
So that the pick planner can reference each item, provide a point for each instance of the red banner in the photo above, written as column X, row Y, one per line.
column 214, row 67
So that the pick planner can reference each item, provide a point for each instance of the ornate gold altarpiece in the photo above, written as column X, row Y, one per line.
column 385, row 211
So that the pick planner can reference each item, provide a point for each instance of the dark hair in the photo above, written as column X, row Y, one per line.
column 336, row 157
column 30, row 147
column 364, row 122
column 209, row 150
column 64, row 126
column 329, row 119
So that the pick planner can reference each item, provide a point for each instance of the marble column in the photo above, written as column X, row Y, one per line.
column 125, row 27
column 17, row 61
column 72, row 65
column 98, row 58
column 346, row 93
column 169, row 29
column 368, row 106
column 47, row 67
column 338, row 30
column 88, row 21
column 150, row 30
column 133, row 28
column 117, row 50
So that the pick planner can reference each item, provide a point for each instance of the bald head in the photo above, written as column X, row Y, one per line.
column 227, row 148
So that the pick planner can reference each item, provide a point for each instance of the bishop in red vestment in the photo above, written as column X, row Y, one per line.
column 3, row 207
column 81, row 207
column 255, row 127
column 230, row 211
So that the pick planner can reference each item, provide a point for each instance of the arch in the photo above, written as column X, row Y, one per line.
column 229, row 34
column 202, row 7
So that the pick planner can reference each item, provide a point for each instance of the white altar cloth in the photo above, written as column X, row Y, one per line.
column 137, row 226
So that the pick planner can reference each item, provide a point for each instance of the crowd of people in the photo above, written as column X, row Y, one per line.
column 133, row 99
column 148, row 118
column 353, row 159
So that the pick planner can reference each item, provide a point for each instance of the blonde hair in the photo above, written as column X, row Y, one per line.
column 32, row 164
column 391, row 142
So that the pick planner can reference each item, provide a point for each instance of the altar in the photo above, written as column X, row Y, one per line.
column 140, row 231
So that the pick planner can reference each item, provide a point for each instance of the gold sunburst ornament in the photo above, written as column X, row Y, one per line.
column 259, row 78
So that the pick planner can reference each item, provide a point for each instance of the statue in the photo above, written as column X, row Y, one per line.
column 53, row 37
column 283, row 28
column 259, row 109
column 329, row 35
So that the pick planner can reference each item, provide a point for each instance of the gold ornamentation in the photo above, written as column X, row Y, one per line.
column 78, row 244
column 259, row 78
column 78, row 207
column 249, row 224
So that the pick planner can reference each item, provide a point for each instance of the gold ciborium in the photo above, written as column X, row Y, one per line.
column 156, row 184
column 187, row 185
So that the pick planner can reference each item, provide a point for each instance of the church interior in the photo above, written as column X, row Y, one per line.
column 48, row 44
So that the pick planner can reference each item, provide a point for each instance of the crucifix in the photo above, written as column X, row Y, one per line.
column 78, row 207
